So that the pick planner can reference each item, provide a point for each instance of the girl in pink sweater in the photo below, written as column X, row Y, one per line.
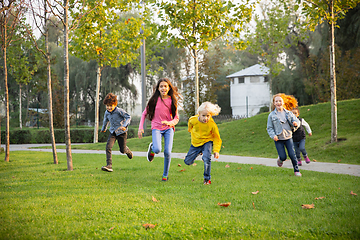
column 162, row 111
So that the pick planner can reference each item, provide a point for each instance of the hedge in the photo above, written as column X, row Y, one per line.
column 43, row 136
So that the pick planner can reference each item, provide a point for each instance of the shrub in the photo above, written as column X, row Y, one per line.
column 77, row 136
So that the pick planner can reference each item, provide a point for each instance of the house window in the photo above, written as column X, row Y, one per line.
column 266, row 78
column 241, row 79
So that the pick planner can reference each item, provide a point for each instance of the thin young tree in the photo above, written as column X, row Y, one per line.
column 11, row 13
column 23, row 62
column 40, row 17
column 330, row 11
column 194, row 24
column 108, row 36
column 61, row 11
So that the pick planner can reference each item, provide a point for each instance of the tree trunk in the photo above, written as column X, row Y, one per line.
column 66, row 87
column 333, row 80
column 20, row 107
column 51, row 119
column 197, row 95
column 96, row 125
column 7, row 133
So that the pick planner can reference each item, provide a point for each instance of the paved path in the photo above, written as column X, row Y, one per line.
column 338, row 168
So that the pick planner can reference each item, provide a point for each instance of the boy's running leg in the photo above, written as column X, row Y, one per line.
column 110, row 143
column 122, row 145
column 206, row 150
column 192, row 154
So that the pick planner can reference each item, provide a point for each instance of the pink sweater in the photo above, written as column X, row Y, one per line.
column 162, row 113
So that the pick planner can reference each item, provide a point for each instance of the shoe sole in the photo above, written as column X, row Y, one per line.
column 147, row 155
column 106, row 170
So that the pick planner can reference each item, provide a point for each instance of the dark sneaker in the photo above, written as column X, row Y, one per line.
column 279, row 162
column 165, row 179
column 207, row 182
column 150, row 154
column 129, row 153
column 107, row 168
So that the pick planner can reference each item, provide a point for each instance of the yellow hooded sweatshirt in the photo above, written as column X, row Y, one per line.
column 202, row 133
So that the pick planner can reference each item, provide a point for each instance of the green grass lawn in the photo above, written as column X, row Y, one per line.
column 248, row 137
column 40, row 200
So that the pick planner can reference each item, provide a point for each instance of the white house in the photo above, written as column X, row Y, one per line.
column 249, row 90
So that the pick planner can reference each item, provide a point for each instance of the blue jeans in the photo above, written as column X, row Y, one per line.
column 280, row 147
column 300, row 147
column 206, row 150
column 168, row 135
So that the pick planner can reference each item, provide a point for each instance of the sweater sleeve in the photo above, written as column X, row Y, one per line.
column 105, row 123
column 175, row 119
column 142, row 120
column 217, row 140
column 126, row 116
column 306, row 125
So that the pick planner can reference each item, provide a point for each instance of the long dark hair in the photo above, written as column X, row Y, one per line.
column 173, row 93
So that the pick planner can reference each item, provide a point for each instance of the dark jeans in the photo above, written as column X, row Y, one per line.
column 110, row 143
column 300, row 148
column 280, row 147
column 206, row 150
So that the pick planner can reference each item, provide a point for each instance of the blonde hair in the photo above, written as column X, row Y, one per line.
column 211, row 108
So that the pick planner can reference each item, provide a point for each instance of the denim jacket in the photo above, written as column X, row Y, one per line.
column 274, row 127
column 118, row 118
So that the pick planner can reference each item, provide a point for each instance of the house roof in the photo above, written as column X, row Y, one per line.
column 255, row 70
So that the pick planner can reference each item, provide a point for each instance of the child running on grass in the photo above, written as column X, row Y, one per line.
column 279, row 127
column 162, row 111
column 119, row 121
column 205, row 137
column 299, row 137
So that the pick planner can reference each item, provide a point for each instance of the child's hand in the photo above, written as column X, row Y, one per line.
column 295, row 124
column 310, row 134
column 140, row 132
column 166, row 123
column 216, row 155
column 276, row 138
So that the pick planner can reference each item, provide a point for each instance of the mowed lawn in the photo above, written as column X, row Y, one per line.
column 40, row 200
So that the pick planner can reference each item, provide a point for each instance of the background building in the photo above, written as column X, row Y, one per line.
column 249, row 90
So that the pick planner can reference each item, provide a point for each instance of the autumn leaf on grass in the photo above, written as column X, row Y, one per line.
column 224, row 204
column 182, row 170
column 308, row 206
column 352, row 193
column 227, row 165
column 154, row 199
column 317, row 198
column 148, row 225
column 111, row 228
column 194, row 164
column 179, row 165
column 314, row 160
column 255, row 192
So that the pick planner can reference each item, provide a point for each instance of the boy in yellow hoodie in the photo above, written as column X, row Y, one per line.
column 205, row 137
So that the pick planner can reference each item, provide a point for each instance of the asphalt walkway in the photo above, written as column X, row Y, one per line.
column 338, row 168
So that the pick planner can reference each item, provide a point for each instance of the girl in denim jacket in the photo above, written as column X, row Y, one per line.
column 280, row 125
